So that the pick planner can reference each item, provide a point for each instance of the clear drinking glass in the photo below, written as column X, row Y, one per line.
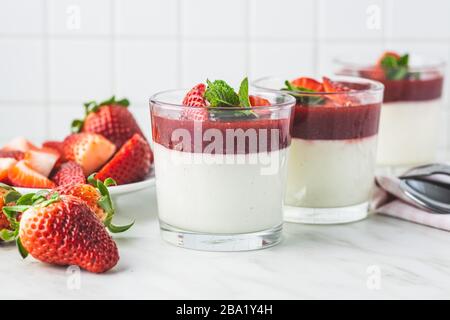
column 332, row 158
column 410, row 117
column 220, row 181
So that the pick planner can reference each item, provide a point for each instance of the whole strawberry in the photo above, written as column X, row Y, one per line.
column 110, row 118
column 64, row 231
column 69, row 173
column 96, row 196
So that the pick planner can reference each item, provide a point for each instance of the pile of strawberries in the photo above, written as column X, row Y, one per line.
column 107, row 141
column 68, row 223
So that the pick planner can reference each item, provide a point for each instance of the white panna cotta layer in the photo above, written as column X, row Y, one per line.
column 330, row 173
column 221, row 194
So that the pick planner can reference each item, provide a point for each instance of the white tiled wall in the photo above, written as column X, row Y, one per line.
column 54, row 54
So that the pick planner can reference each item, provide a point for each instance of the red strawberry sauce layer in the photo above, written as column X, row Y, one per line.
column 411, row 89
column 336, row 123
column 164, row 127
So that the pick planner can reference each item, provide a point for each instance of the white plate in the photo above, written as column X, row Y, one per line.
column 113, row 190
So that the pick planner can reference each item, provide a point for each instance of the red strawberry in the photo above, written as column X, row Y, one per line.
column 16, row 154
column 334, row 87
column 64, row 231
column 374, row 73
column 4, row 222
column 388, row 54
column 21, row 175
column 19, row 143
column 69, row 173
column 111, row 119
column 97, row 199
column 256, row 101
column 89, row 150
column 5, row 165
column 86, row 192
column 130, row 164
column 308, row 83
column 195, row 98
column 42, row 160
column 56, row 145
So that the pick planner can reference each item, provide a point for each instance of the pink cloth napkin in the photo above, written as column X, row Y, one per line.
column 388, row 200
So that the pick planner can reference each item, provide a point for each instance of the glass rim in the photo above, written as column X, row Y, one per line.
column 290, row 102
column 375, row 86
column 435, row 63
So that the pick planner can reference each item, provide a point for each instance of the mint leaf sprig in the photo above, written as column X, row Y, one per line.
column 221, row 95
column 302, row 98
column 395, row 68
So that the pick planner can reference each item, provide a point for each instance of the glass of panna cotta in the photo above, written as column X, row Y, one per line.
column 221, row 166
column 334, row 141
column 410, row 117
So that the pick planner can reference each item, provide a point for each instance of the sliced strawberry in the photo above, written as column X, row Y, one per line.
column 16, row 154
column 20, row 144
column 89, row 150
column 387, row 54
column 21, row 175
column 69, row 173
column 195, row 98
column 308, row 83
column 340, row 96
column 130, row 164
column 56, row 145
column 42, row 160
column 256, row 101
column 374, row 73
column 5, row 165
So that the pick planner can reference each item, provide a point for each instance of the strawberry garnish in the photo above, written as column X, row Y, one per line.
column 62, row 230
column 307, row 83
column 341, row 98
column 387, row 54
column 256, row 101
column 5, row 165
column 195, row 98
column 130, row 164
column 89, row 150
column 21, row 175
column 69, row 173
column 110, row 118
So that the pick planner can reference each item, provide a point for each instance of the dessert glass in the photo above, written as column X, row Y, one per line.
column 410, row 116
column 220, row 182
column 332, row 159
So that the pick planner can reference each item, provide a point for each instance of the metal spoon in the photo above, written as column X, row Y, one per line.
column 427, row 170
column 429, row 195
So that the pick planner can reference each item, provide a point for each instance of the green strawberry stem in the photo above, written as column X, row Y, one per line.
column 93, row 106
column 106, row 203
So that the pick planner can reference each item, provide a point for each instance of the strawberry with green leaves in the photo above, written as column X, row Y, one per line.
column 110, row 118
column 395, row 66
column 60, row 230
column 8, row 196
column 213, row 99
column 97, row 198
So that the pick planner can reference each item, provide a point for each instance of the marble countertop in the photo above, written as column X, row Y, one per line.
column 379, row 257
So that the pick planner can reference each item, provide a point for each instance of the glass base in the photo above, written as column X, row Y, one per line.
column 221, row 242
column 326, row 215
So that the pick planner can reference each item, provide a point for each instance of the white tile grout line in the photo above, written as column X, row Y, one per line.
column 113, row 4
column 247, row 37
column 46, row 62
column 179, row 44
column 316, row 47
